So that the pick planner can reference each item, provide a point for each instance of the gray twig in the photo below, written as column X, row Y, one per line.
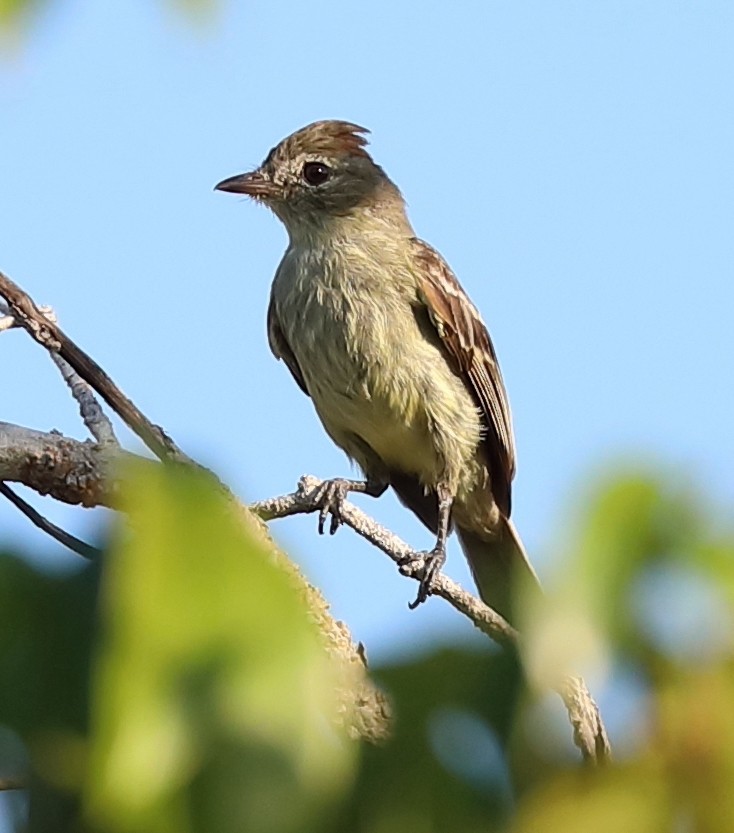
column 94, row 418
column 589, row 733
column 306, row 499
column 97, row 422
column 48, row 334
column 56, row 532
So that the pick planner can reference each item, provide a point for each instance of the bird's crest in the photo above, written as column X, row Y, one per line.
column 330, row 138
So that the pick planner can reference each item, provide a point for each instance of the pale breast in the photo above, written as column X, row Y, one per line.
column 370, row 369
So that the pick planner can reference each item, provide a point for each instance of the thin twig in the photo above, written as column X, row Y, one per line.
column 97, row 422
column 65, row 538
column 306, row 499
column 94, row 418
column 588, row 729
column 589, row 733
column 49, row 335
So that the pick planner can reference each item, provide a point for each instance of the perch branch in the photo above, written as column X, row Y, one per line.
column 588, row 729
column 306, row 499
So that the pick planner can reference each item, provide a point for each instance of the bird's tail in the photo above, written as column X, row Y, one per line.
column 500, row 567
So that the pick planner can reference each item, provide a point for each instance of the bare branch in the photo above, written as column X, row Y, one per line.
column 49, row 335
column 94, row 418
column 74, row 472
column 83, row 473
column 97, row 422
column 306, row 500
column 65, row 538
column 589, row 733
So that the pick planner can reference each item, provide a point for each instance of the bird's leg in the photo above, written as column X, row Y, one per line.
column 333, row 493
column 435, row 559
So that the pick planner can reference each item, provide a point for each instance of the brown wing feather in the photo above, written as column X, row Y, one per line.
column 467, row 341
column 280, row 348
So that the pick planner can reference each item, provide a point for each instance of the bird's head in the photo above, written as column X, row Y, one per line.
column 316, row 174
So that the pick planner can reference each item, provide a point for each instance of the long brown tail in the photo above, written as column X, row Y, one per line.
column 500, row 567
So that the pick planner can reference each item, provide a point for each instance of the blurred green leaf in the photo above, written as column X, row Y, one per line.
column 637, row 527
column 635, row 520
column 44, row 651
column 633, row 799
column 432, row 776
column 715, row 555
column 13, row 12
column 214, row 701
column 649, row 585
column 16, row 15
column 196, row 9
column 681, row 780
column 695, row 739
column 47, row 625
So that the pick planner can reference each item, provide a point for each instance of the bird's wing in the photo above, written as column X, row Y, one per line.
column 464, row 335
column 280, row 347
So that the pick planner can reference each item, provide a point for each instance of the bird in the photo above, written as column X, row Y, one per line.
column 376, row 329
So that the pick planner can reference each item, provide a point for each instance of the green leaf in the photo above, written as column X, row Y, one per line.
column 13, row 12
column 633, row 799
column 446, row 767
column 214, row 702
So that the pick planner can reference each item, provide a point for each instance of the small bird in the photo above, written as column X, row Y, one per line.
column 376, row 329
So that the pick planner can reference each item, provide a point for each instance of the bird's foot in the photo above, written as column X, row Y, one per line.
column 433, row 560
column 331, row 497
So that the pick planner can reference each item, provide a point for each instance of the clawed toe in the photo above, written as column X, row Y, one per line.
column 334, row 493
column 433, row 561
column 330, row 500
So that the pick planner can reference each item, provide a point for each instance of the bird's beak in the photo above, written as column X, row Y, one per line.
column 253, row 184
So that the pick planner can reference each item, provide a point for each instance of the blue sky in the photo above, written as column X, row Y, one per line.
column 571, row 160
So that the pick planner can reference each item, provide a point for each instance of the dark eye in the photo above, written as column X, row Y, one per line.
column 316, row 173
